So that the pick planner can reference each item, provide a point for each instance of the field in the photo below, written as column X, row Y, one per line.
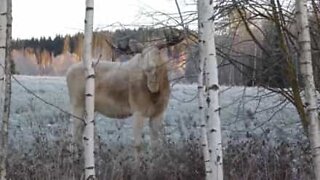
column 262, row 136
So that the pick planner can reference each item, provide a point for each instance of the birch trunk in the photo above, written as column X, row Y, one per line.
column 3, row 44
column 5, row 60
column 88, row 133
column 208, row 49
column 201, row 97
column 305, row 60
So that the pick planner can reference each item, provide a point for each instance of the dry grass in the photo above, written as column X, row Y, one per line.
column 254, row 158
column 43, row 155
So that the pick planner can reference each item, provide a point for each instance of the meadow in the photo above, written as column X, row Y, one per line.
column 262, row 136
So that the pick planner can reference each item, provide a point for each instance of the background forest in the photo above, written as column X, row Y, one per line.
column 242, row 59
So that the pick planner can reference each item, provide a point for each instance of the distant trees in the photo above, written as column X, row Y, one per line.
column 54, row 46
column 74, row 43
column 100, row 44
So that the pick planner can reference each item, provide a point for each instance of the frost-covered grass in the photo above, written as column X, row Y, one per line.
column 257, row 126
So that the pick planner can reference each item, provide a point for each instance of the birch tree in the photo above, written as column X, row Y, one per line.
column 5, row 74
column 201, row 98
column 3, row 47
column 88, row 133
column 310, row 94
column 208, row 54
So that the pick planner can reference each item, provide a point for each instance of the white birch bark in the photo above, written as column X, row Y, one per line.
column 212, row 87
column 5, row 66
column 7, row 95
column 3, row 34
column 88, row 133
column 305, row 61
column 201, row 97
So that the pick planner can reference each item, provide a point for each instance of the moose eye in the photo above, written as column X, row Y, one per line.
column 150, row 71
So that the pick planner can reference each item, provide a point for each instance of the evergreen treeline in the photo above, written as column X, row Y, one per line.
column 106, row 45
column 73, row 44
column 54, row 46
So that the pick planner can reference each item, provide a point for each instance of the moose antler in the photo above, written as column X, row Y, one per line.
column 132, row 47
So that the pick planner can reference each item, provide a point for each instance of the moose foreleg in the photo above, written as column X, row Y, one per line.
column 137, row 133
column 157, row 132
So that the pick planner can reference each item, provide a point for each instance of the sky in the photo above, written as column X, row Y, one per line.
column 44, row 18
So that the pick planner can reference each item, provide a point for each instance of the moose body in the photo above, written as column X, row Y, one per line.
column 138, row 88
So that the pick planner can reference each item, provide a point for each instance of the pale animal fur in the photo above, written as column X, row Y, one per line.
column 138, row 87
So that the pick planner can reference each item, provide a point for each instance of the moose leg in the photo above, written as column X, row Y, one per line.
column 156, row 136
column 75, row 130
column 157, row 133
column 77, row 124
column 137, row 133
column 75, row 133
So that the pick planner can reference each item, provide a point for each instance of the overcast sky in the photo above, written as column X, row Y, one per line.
column 36, row 18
